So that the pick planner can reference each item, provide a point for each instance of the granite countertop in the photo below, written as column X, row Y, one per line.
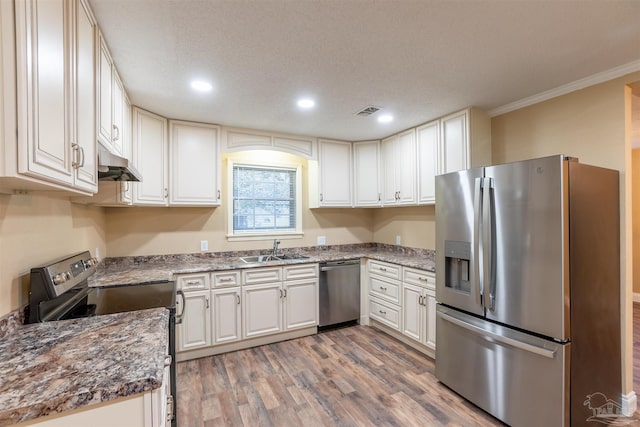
column 57, row 366
column 153, row 269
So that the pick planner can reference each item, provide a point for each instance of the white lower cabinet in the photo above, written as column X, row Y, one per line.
column 226, row 315
column 404, row 299
column 195, row 329
column 262, row 309
column 301, row 303
column 232, row 306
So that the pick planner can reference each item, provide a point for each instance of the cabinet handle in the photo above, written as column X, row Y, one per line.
column 280, row 293
column 238, row 298
column 166, row 193
column 81, row 152
column 167, row 360
column 285, row 293
column 218, row 194
column 383, row 312
column 383, row 269
column 193, row 282
column 422, row 279
column 207, row 299
column 184, row 307
column 383, row 289
column 320, row 196
column 420, row 300
column 225, row 279
column 379, row 197
column 116, row 135
column 75, row 162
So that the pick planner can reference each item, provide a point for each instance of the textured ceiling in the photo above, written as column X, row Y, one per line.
column 417, row 59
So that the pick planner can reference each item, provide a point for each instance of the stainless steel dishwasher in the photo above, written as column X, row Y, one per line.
column 339, row 292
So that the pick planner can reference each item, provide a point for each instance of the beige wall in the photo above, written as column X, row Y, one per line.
column 416, row 226
column 36, row 229
column 635, row 179
column 149, row 231
column 592, row 124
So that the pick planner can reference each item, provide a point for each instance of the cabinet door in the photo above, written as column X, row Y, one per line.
column 44, row 101
column 262, row 309
column 117, row 112
column 430, row 318
column 454, row 143
column 150, row 158
column 104, row 93
column 86, row 170
column 195, row 329
column 412, row 312
column 388, row 162
column 301, row 304
column 226, row 315
column 194, row 164
column 405, row 158
column 366, row 173
column 334, row 162
column 428, row 137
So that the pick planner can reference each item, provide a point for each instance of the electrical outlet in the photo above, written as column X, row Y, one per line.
column 204, row 245
column 398, row 240
column 97, row 253
column 322, row 240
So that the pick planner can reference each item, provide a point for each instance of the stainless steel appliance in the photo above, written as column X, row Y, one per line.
column 528, row 286
column 339, row 292
column 59, row 290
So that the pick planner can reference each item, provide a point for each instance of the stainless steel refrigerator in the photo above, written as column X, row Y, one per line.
column 528, row 288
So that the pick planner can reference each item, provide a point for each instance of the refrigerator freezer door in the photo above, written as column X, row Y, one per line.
column 457, row 240
column 529, row 285
column 519, row 378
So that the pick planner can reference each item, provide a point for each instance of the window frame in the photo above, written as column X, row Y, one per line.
column 267, row 234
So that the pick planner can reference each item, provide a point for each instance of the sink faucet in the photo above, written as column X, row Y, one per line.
column 276, row 242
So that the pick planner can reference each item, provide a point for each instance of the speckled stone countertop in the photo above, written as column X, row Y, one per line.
column 56, row 366
column 150, row 269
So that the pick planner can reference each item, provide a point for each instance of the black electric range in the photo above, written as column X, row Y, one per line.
column 59, row 290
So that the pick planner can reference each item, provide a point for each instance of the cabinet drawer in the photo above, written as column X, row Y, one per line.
column 386, row 290
column 300, row 271
column 419, row 277
column 194, row 282
column 225, row 278
column 390, row 316
column 261, row 275
column 385, row 269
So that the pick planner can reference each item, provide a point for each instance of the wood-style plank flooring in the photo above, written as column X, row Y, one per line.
column 355, row 376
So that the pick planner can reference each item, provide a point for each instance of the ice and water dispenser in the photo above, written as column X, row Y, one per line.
column 457, row 261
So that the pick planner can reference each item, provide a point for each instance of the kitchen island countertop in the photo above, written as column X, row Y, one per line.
column 154, row 269
column 52, row 367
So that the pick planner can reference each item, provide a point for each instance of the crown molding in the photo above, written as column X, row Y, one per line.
column 594, row 79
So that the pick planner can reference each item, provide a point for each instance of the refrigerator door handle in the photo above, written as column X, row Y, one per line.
column 499, row 338
column 477, row 224
column 487, row 243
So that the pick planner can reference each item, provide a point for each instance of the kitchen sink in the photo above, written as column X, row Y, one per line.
column 266, row 258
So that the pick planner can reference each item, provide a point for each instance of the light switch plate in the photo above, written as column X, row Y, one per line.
column 322, row 240
column 398, row 240
column 204, row 245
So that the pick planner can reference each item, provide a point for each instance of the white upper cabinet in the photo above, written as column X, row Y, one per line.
column 366, row 174
column 428, row 137
column 54, row 92
column 181, row 170
column 399, row 169
column 104, row 94
column 150, row 158
column 330, row 184
column 194, row 164
column 455, row 143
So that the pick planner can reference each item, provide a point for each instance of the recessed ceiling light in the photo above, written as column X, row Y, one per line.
column 201, row 86
column 306, row 103
column 385, row 118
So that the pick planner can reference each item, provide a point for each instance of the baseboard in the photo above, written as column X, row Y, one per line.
column 636, row 297
column 629, row 403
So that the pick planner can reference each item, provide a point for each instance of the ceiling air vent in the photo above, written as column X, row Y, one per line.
column 367, row 111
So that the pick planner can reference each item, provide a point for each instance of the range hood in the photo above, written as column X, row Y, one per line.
column 115, row 168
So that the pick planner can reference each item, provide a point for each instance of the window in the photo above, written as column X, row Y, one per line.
column 266, row 200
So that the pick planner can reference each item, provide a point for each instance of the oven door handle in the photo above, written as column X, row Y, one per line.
column 184, row 307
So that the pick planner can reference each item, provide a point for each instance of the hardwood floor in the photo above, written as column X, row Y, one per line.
column 354, row 376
